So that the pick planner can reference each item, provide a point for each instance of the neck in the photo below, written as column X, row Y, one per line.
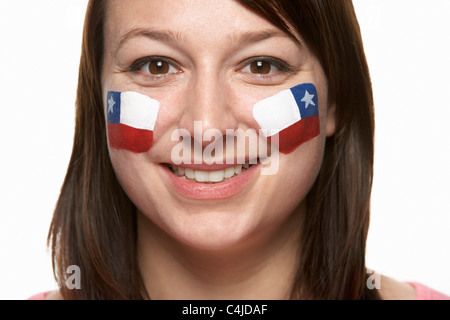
column 262, row 267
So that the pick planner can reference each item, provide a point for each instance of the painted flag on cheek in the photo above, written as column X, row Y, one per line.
column 293, row 114
column 131, row 118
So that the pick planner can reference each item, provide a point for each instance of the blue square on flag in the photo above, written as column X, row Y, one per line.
column 113, row 108
column 306, row 97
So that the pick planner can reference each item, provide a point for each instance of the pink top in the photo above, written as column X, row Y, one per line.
column 422, row 293
column 426, row 293
column 39, row 296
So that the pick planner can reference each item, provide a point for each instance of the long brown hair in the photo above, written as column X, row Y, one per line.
column 94, row 223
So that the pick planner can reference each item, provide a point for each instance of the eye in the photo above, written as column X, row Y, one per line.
column 261, row 67
column 157, row 66
column 265, row 66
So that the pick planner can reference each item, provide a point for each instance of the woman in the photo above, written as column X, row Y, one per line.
column 140, row 225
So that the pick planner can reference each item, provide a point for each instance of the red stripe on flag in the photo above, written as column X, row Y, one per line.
column 298, row 133
column 123, row 137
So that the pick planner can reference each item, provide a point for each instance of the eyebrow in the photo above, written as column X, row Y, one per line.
column 250, row 37
column 165, row 36
column 177, row 39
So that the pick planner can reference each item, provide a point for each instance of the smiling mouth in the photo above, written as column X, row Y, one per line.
column 209, row 177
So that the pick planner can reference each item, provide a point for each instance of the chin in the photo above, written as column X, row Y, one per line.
column 211, row 230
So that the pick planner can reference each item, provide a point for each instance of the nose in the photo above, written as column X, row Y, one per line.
column 207, row 100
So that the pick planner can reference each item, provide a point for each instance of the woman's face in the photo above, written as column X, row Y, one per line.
column 209, row 61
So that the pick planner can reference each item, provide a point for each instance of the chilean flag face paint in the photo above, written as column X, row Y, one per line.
column 292, row 113
column 131, row 118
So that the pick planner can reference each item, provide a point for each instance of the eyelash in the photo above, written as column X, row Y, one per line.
column 138, row 64
column 277, row 63
column 274, row 62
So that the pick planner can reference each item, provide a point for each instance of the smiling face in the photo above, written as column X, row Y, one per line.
column 208, row 61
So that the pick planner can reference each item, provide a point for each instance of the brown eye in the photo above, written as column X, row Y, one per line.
column 158, row 67
column 260, row 67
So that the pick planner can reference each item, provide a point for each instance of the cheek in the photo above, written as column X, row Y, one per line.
column 281, row 194
column 291, row 117
column 169, row 114
column 127, row 167
column 131, row 119
column 134, row 175
column 242, row 101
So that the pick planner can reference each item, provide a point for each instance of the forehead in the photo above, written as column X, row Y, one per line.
column 194, row 19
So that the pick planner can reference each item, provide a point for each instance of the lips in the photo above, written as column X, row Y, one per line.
column 208, row 184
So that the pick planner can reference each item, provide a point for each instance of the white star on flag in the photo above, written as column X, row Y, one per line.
column 307, row 99
column 111, row 104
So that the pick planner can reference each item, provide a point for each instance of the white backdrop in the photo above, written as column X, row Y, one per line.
column 407, row 47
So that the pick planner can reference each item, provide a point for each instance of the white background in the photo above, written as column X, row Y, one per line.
column 407, row 47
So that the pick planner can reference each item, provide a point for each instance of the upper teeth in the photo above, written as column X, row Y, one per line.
column 209, row 176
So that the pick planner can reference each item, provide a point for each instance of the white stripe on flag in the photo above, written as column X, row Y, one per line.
column 138, row 110
column 277, row 112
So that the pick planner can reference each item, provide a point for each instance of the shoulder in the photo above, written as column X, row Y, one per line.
column 426, row 293
column 392, row 289
column 54, row 295
column 48, row 295
column 395, row 290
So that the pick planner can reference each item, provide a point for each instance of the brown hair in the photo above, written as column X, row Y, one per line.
column 94, row 223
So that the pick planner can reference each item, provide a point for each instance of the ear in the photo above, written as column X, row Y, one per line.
column 331, row 120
